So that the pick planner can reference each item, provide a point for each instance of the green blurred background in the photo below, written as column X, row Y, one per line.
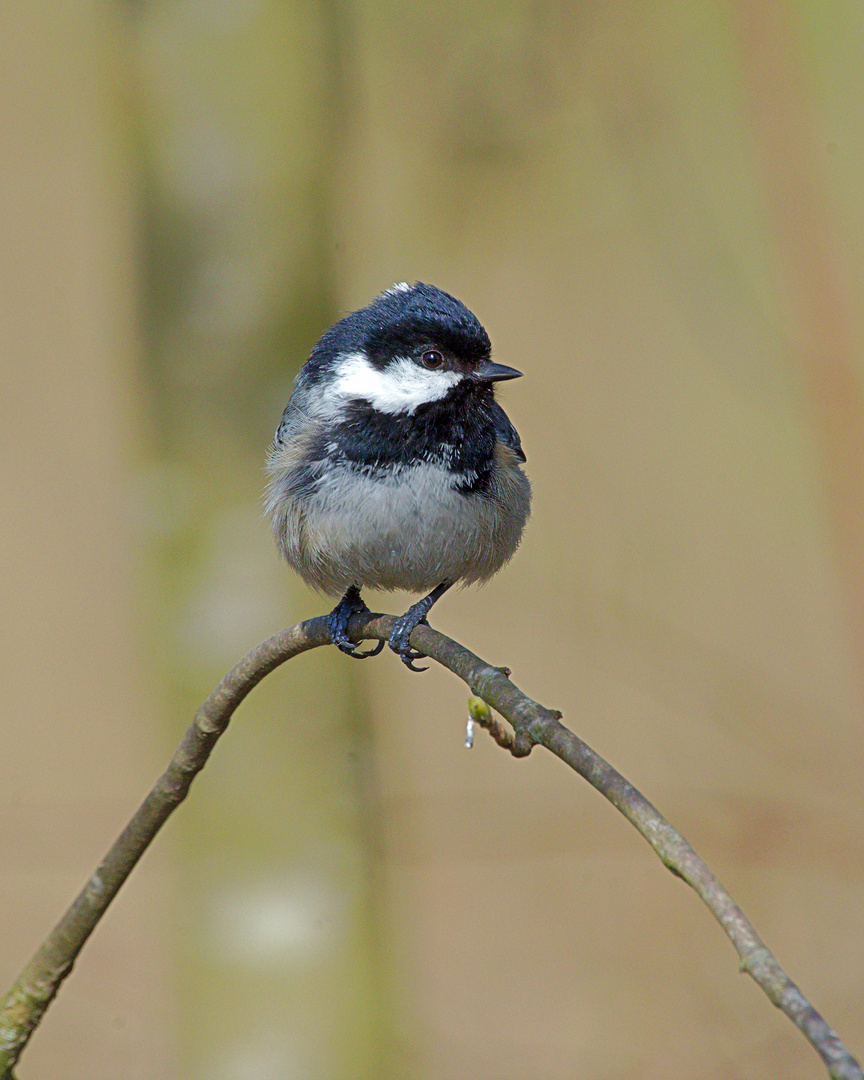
column 655, row 209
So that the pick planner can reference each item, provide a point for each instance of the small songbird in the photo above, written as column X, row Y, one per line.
column 394, row 467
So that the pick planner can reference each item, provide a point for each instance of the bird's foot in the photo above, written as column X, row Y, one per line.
column 399, row 638
column 414, row 616
column 337, row 623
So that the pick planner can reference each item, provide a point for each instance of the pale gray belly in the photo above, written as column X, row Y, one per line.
column 411, row 532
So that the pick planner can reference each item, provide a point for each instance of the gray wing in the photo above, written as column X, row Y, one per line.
column 293, row 463
column 505, row 432
column 289, row 425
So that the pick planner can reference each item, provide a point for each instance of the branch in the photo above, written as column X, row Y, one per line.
column 37, row 985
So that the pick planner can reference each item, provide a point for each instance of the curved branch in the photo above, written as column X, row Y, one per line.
column 532, row 724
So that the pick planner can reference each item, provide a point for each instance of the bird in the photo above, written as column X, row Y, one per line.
column 393, row 466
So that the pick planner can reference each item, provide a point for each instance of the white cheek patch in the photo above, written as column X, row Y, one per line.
column 400, row 387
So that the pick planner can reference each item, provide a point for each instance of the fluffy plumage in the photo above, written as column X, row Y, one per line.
column 394, row 467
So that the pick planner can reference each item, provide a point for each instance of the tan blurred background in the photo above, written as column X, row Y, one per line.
column 192, row 191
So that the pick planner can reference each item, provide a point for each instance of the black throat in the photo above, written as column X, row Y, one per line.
column 456, row 432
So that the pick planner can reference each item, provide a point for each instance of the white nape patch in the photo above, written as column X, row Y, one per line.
column 400, row 286
column 402, row 386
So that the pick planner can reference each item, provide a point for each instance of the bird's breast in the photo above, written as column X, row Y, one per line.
column 405, row 527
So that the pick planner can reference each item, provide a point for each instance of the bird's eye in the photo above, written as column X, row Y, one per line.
column 432, row 359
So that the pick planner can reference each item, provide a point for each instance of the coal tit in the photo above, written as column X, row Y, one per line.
column 394, row 467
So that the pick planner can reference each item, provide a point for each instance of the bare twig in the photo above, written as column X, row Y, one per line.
column 532, row 725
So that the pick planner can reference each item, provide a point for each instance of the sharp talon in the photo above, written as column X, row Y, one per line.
column 369, row 652
column 337, row 624
column 400, row 640
column 415, row 616
column 350, row 649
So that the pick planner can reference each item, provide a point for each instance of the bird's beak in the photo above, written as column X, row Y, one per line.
column 490, row 372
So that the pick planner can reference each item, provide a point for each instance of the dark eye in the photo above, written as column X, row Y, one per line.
column 432, row 359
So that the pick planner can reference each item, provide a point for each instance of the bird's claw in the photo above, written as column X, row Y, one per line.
column 399, row 640
column 337, row 624
column 362, row 655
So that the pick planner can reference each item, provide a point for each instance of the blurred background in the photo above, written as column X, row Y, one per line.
column 655, row 209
